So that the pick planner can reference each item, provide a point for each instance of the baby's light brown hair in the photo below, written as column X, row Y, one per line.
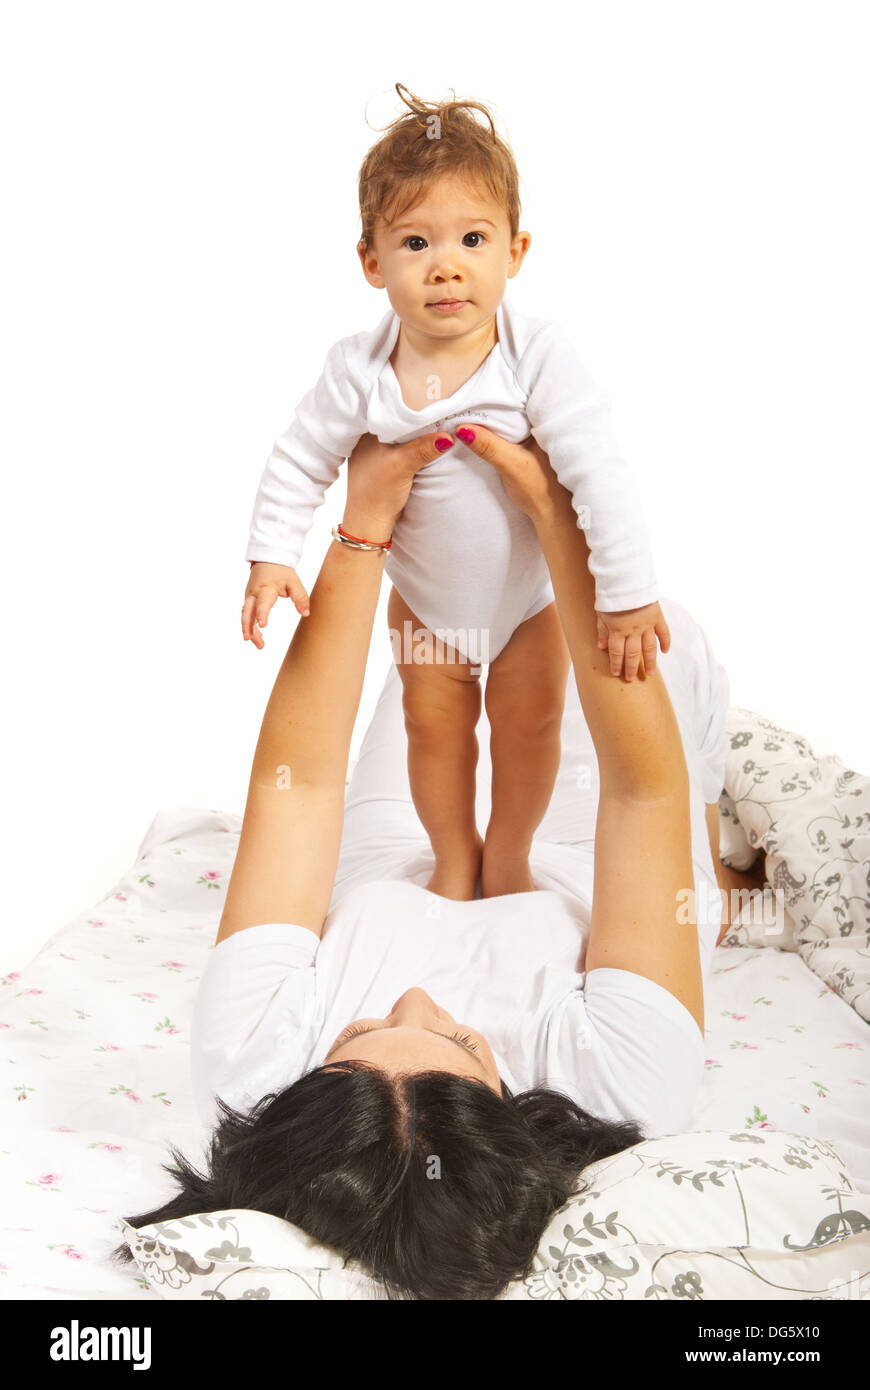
column 434, row 140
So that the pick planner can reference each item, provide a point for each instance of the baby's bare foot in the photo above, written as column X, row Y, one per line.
column 504, row 871
column 456, row 876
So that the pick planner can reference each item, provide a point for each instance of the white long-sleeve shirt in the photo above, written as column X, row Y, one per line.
column 464, row 558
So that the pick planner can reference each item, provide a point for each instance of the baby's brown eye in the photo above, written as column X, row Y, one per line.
column 413, row 238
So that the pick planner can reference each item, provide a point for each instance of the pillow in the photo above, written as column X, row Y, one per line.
column 708, row 1215
column 810, row 816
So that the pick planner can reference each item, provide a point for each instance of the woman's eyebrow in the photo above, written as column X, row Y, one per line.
column 362, row 1032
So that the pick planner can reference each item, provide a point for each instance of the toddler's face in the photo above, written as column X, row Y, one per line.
column 454, row 244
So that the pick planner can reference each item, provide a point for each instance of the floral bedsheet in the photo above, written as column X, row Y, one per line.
column 94, row 1078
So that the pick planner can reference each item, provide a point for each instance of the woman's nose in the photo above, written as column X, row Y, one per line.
column 414, row 1006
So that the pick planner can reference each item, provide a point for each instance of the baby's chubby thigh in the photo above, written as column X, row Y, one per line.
column 525, row 688
column 441, row 695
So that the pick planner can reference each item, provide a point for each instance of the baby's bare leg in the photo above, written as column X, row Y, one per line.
column 525, row 697
column 441, row 700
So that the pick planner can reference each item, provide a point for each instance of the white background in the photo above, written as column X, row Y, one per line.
column 178, row 255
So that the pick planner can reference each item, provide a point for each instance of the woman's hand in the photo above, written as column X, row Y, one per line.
column 528, row 478
column 379, row 481
column 531, row 484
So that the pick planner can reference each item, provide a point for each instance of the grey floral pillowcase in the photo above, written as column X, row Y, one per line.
column 707, row 1215
column 810, row 817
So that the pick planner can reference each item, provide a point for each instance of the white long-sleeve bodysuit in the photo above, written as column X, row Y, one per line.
column 464, row 558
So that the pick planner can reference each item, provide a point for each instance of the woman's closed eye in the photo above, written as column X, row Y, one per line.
column 356, row 1030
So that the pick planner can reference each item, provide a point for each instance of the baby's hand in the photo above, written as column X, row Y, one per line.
column 266, row 583
column 631, row 634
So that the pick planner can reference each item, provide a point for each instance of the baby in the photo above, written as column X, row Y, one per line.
column 440, row 232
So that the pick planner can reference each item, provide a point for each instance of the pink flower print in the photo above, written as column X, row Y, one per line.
column 857, row 1083
column 73, row 1254
column 5, row 1025
column 114, row 1148
column 92, row 923
column 48, row 1179
column 125, row 1091
column 174, row 964
column 758, row 1120
column 149, row 996
column 121, row 897
column 112, row 1047
column 64, row 1129
column 34, row 991
column 13, row 975
column 210, row 879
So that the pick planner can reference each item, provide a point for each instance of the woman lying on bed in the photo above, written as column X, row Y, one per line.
column 431, row 1136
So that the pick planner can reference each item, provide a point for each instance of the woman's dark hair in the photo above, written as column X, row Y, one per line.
column 436, row 1185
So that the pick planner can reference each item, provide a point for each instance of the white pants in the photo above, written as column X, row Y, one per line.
column 383, row 837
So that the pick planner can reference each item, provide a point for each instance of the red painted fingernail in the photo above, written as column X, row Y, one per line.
column 443, row 444
column 465, row 435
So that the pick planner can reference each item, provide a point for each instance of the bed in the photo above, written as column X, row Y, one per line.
column 767, row 1197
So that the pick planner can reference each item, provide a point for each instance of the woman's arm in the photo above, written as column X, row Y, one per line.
column 643, row 847
column 643, row 838
column 285, row 866
column 728, row 879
